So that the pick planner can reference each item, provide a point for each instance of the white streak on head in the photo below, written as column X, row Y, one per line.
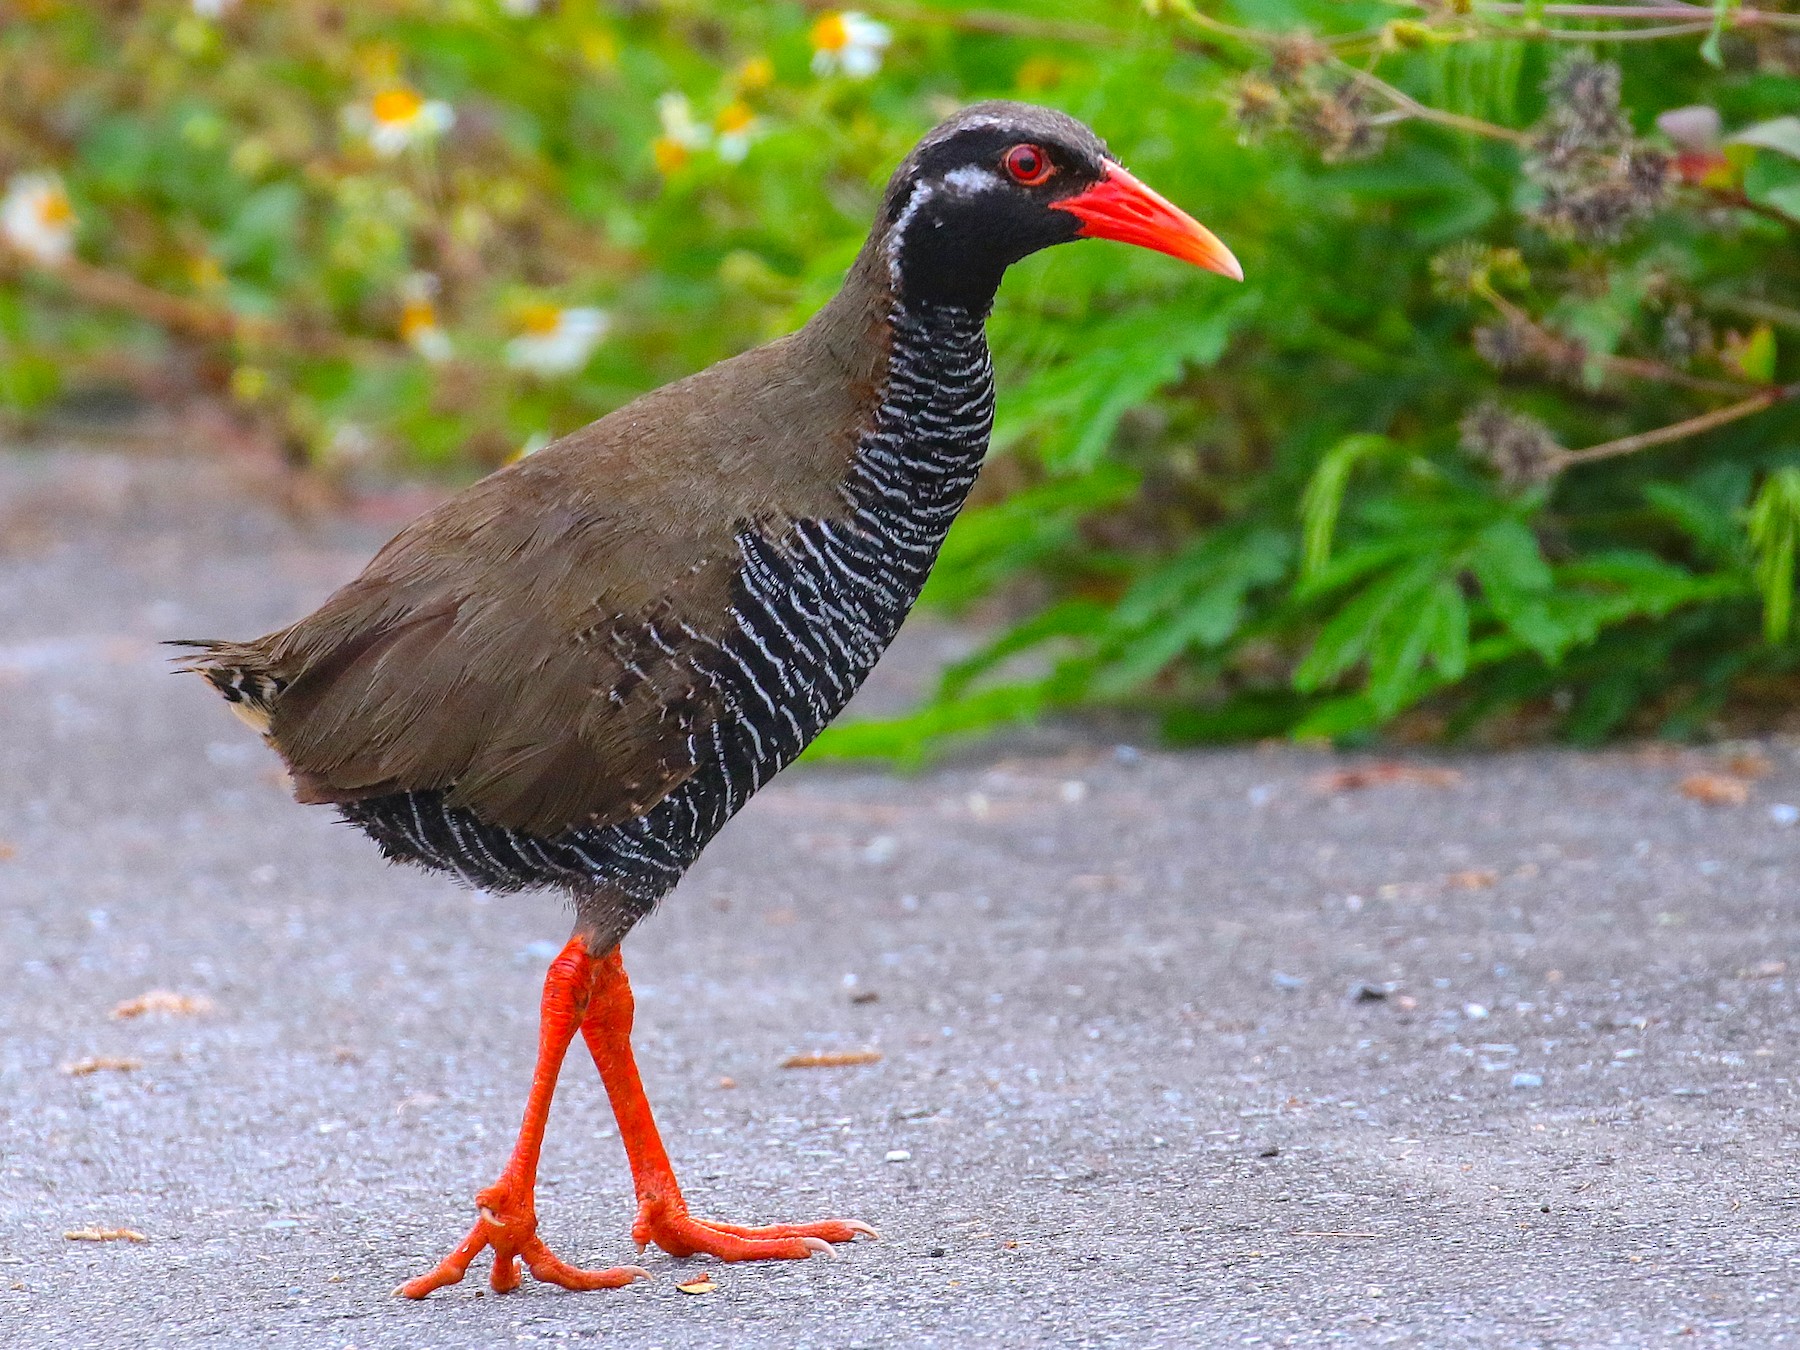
column 921, row 194
column 969, row 179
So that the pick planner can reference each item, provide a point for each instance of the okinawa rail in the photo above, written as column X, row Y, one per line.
column 574, row 672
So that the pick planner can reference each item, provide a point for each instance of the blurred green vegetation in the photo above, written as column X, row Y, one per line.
column 1497, row 437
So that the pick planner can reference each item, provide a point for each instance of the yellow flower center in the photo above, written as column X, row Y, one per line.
column 756, row 73
column 539, row 319
column 54, row 211
column 830, row 34
column 670, row 154
column 396, row 105
column 736, row 118
column 416, row 317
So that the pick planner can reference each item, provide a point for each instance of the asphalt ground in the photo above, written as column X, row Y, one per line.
column 1176, row 1049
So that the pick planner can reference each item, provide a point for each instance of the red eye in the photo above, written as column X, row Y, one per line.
column 1028, row 165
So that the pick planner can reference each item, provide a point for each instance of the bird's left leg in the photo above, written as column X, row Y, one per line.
column 508, row 1208
column 663, row 1216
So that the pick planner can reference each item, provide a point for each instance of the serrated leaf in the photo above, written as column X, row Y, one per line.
column 1126, row 359
column 1713, row 530
column 1353, row 632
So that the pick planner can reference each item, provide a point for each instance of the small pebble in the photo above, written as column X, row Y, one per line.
column 1527, row 1080
column 1784, row 814
column 1284, row 981
column 1474, row 1011
column 899, row 1155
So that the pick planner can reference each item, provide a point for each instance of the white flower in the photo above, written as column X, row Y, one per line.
column 737, row 127
column 419, row 327
column 36, row 218
column 556, row 341
column 677, row 117
column 849, row 42
column 681, row 134
column 521, row 9
column 398, row 117
column 213, row 9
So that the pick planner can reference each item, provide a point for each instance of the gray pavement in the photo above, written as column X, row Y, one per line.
column 1177, row 1049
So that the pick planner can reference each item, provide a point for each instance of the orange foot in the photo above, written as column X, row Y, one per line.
column 508, row 1224
column 679, row 1233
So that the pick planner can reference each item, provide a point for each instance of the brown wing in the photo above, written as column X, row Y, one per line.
column 538, row 660
column 533, row 645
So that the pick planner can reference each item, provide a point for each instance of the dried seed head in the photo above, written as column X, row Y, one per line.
column 1685, row 334
column 1507, row 345
column 1518, row 448
column 1584, row 107
column 1256, row 105
column 1468, row 268
column 1595, row 206
column 1293, row 54
column 1337, row 123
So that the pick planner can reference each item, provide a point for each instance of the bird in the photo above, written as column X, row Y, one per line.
column 573, row 672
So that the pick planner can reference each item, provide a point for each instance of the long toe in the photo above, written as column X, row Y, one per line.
column 684, row 1235
column 513, row 1236
column 827, row 1230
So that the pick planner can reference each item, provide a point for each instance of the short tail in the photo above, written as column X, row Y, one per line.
column 238, row 672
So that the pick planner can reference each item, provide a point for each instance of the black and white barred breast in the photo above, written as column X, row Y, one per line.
column 812, row 611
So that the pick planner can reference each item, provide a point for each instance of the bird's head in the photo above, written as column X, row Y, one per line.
column 999, row 181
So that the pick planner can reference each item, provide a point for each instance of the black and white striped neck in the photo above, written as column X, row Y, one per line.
column 913, row 469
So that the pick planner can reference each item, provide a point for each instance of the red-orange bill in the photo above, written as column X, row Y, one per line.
column 1119, row 207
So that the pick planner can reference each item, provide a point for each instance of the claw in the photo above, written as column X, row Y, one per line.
column 858, row 1226
column 821, row 1245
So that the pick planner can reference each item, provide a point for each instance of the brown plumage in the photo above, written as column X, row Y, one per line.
column 479, row 651
column 574, row 672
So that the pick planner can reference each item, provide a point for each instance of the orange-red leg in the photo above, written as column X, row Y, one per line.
column 508, row 1211
column 663, row 1216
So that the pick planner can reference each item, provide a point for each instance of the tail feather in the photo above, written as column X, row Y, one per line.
column 237, row 671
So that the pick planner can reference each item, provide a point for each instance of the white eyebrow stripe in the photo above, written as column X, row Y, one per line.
column 971, row 178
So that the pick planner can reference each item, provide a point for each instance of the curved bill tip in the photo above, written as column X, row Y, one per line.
column 1120, row 207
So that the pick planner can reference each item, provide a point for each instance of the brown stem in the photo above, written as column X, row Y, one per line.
column 1411, row 106
column 1558, row 349
column 1677, row 431
column 1734, row 198
column 1739, row 18
column 1784, row 316
column 179, row 314
column 1655, row 34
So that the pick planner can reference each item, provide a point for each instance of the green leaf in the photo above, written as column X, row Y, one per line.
column 1324, row 496
column 1713, row 527
column 1126, row 359
column 1785, row 199
column 1710, row 49
column 1355, row 630
column 1754, row 357
column 1781, row 134
column 1206, row 616
column 1775, row 536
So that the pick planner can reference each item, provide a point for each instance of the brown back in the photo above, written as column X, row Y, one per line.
column 526, row 644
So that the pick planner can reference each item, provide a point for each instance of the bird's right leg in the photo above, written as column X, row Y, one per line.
column 508, row 1210
column 663, row 1216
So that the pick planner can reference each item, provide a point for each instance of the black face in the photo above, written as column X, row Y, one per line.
column 976, row 195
